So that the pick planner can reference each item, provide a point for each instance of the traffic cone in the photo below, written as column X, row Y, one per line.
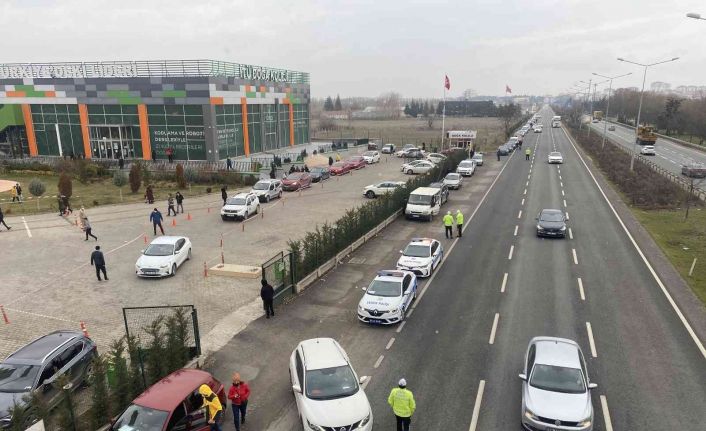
column 145, row 237
column 188, row 216
column 173, row 222
column 84, row 330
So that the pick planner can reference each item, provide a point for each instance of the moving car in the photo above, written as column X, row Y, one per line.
column 478, row 159
column 421, row 256
column 538, row 128
column 388, row 149
column 648, row 150
column 371, row 157
column 163, row 256
column 296, row 181
column 38, row 366
column 436, row 157
column 556, row 390
column 326, row 388
column 173, row 403
column 453, row 180
column 467, row 167
column 319, row 173
column 443, row 188
column 417, row 167
column 424, row 202
column 388, row 297
column 356, row 162
column 405, row 148
column 340, row 168
column 265, row 190
column 551, row 223
column 555, row 157
column 694, row 170
column 385, row 187
column 241, row 206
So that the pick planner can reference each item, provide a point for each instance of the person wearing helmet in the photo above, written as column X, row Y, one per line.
column 402, row 402
column 214, row 409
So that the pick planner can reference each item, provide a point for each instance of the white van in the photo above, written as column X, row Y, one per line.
column 423, row 203
column 556, row 121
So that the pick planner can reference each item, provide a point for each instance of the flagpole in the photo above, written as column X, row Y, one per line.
column 443, row 118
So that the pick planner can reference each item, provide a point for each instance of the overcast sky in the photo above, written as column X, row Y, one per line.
column 367, row 47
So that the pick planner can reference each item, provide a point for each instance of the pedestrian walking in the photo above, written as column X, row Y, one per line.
column 267, row 293
column 498, row 154
column 449, row 225
column 149, row 194
column 403, row 406
column 528, row 152
column 13, row 193
column 179, row 202
column 87, row 229
column 330, row 160
column 424, row 146
column 82, row 217
column 2, row 220
column 224, row 195
column 459, row 223
column 98, row 260
column 19, row 192
column 170, row 154
column 238, row 396
column 520, row 142
column 170, row 205
column 229, row 164
column 156, row 219
column 214, row 409
column 473, row 153
column 121, row 163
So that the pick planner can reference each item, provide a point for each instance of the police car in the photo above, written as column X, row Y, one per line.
column 421, row 256
column 388, row 297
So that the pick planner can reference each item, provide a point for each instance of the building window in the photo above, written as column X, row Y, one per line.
column 254, row 128
column 114, row 131
column 229, row 129
column 57, row 129
column 179, row 127
column 283, row 126
column 301, row 124
column 269, row 127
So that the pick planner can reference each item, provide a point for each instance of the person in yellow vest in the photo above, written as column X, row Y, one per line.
column 449, row 224
column 527, row 153
column 402, row 402
column 459, row 223
column 214, row 409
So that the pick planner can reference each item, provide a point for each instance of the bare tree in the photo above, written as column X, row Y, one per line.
column 693, row 183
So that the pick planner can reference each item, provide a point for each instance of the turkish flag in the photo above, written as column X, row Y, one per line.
column 447, row 83
column 507, row 89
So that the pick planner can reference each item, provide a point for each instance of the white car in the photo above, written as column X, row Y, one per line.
column 538, row 129
column 403, row 151
column 266, row 190
column 555, row 157
column 163, row 256
column 371, row 157
column 421, row 256
column 466, row 168
column 240, row 206
column 436, row 157
column 514, row 141
column 388, row 297
column 326, row 388
column 648, row 150
column 417, row 167
column 453, row 180
column 383, row 188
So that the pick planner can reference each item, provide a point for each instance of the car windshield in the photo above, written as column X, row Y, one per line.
column 385, row 288
column 419, row 199
column 551, row 217
column 452, row 176
column 138, row 418
column 415, row 250
column 558, row 379
column 17, row 377
column 294, row 176
column 330, row 383
column 159, row 250
column 261, row 185
column 465, row 164
column 555, row 154
column 235, row 201
column 318, row 170
column 477, row 156
column 369, row 153
column 356, row 159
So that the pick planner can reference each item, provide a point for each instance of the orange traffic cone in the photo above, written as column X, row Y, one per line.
column 173, row 222
column 188, row 216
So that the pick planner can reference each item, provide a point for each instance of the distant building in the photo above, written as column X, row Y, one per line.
column 660, row 87
column 467, row 108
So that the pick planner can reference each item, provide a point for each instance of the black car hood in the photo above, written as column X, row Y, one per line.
column 8, row 399
column 551, row 224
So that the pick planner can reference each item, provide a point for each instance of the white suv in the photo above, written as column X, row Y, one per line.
column 240, row 206
column 327, row 389
column 267, row 189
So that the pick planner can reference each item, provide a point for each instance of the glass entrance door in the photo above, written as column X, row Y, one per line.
column 110, row 142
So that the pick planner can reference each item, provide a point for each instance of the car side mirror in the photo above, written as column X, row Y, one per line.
column 363, row 379
column 177, row 251
column 401, row 252
column 523, row 377
column 142, row 251
column 592, row 385
column 365, row 288
column 297, row 388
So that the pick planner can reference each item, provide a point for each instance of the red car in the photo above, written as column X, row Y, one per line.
column 173, row 403
column 296, row 181
column 356, row 162
column 340, row 168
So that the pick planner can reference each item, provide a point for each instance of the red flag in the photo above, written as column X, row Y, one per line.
column 447, row 83
column 507, row 89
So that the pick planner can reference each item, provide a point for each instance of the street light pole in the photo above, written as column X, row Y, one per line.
column 607, row 109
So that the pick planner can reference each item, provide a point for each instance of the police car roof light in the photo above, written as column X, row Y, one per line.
column 389, row 273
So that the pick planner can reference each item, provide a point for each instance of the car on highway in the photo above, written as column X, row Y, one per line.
column 436, row 157
column 551, row 223
column 538, row 128
column 556, row 390
column 296, row 181
column 694, row 170
column 163, row 256
column 383, row 188
column 421, row 256
column 327, row 389
column 266, row 190
column 611, row 128
column 388, row 297
column 467, row 167
column 241, row 206
column 555, row 157
column 371, row 157
column 388, row 149
column 503, row 150
column 648, row 150
column 478, row 159
column 453, row 180
column 356, row 162
column 340, row 168
column 514, row 141
column 319, row 173
column 173, row 403
column 405, row 149
column 37, row 368
column 443, row 189
column 417, row 167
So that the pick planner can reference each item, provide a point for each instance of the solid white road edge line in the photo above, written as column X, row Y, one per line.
column 583, row 296
column 476, row 407
column 29, row 233
column 606, row 414
column 661, row 285
column 502, row 287
column 379, row 361
column 590, row 340
column 509, row 256
column 491, row 340
column 389, row 343
column 576, row 261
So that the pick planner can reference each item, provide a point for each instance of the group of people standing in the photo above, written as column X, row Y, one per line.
column 238, row 395
column 16, row 193
column 449, row 223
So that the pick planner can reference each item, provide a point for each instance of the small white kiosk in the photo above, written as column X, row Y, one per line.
column 461, row 139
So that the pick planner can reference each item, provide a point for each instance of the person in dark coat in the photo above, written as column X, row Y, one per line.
column 330, row 160
column 2, row 220
column 291, row 169
column 98, row 260
column 229, row 164
column 67, row 204
column 121, row 163
column 224, row 195
column 156, row 219
column 170, row 206
column 498, row 154
column 149, row 195
column 87, row 229
column 267, row 293
column 180, row 202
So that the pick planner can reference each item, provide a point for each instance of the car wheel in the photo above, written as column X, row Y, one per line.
column 223, row 218
column 410, row 172
column 257, row 209
column 188, row 254
column 403, row 315
column 370, row 194
column 87, row 376
column 174, row 268
column 267, row 199
column 279, row 195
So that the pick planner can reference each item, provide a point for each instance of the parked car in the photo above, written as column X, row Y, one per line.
column 388, row 297
column 266, row 190
column 555, row 157
column 648, row 150
column 478, row 159
column 371, row 157
column 466, row 168
column 241, row 206
column 326, row 389
column 340, row 168
column 436, row 157
column 444, row 191
column 538, row 128
column 385, row 187
column 356, row 162
column 556, row 390
column 388, row 149
column 38, row 367
column 514, row 141
column 163, row 256
column 421, row 256
column 453, row 180
column 173, row 403
column 503, row 150
column 417, row 167
column 296, row 181
column 372, row 146
column 694, row 170
column 405, row 148
column 319, row 173
column 611, row 128
column 552, row 223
